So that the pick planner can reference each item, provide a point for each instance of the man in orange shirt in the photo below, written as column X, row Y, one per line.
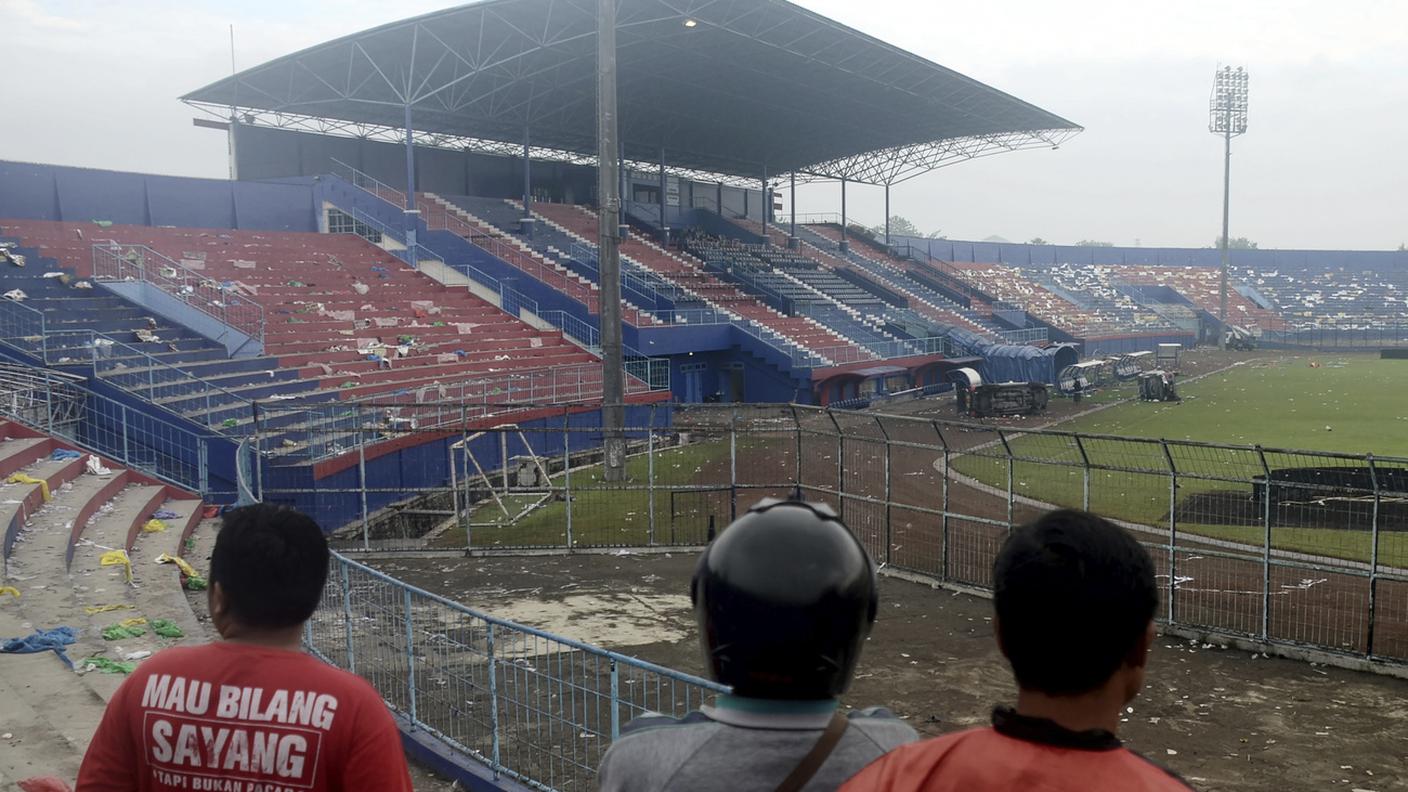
column 1074, row 597
column 252, row 711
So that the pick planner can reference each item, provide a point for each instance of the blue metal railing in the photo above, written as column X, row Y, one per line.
column 531, row 706
column 117, row 262
column 62, row 406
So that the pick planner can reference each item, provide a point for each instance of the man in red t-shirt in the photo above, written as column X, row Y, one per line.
column 252, row 712
column 1074, row 596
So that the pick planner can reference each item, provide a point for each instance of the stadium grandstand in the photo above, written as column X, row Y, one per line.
column 399, row 288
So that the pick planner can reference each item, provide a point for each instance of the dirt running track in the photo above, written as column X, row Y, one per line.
column 1226, row 719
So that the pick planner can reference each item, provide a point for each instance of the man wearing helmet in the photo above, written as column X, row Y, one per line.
column 784, row 599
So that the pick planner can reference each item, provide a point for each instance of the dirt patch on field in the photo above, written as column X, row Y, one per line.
column 1226, row 719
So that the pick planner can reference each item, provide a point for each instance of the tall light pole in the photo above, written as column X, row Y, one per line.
column 613, row 408
column 1227, row 116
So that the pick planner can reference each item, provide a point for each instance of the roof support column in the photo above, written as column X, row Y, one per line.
column 887, row 214
column 845, row 238
column 526, row 224
column 613, row 384
column 411, row 215
column 767, row 206
column 719, row 198
column 664, row 225
column 793, row 243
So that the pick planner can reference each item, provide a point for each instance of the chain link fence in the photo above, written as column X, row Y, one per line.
column 1280, row 546
column 531, row 706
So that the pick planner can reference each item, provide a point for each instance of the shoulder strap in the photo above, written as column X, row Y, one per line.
column 815, row 758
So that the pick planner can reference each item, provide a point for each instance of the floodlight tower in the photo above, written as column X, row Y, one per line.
column 1227, row 116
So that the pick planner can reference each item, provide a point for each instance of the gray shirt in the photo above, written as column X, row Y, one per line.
column 742, row 745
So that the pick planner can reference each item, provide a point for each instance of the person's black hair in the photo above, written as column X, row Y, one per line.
column 271, row 563
column 1074, row 593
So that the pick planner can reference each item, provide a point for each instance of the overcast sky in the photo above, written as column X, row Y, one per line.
column 1324, row 164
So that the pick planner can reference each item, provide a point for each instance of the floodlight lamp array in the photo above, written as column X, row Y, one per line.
column 1227, row 110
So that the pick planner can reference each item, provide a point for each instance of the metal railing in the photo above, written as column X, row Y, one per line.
column 1279, row 547
column 118, row 262
column 170, row 388
column 359, row 179
column 531, row 706
column 61, row 405
column 1026, row 335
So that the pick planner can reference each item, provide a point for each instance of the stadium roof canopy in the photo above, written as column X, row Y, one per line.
column 725, row 87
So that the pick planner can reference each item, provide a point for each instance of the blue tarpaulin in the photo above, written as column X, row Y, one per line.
column 43, row 641
column 1015, row 362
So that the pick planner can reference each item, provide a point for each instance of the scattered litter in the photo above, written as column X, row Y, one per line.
column 23, row 478
column 93, row 610
column 103, row 664
column 140, row 654
column 167, row 629
column 54, row 274
column 94, row 466
column 129, row 628
column 153, row 526
column 117, row 558
column 15, row 294
column 11, row 590
column 43, row 641
column 190, row 579
column 165, row 514
column 64, row 454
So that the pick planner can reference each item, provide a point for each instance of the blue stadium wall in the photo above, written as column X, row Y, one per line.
column 1019, row 255
column 334, row 499
column 30, row 191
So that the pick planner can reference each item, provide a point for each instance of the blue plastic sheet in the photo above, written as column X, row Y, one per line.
column 43, row 641
column 1015, row 362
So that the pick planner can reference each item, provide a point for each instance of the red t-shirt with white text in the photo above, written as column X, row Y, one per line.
column 230, row 717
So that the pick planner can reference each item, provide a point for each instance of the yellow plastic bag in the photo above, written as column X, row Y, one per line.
column 154, row 526
column 11, row 590
column 186, row 569
column 96, row 609
column 135, row 621
column 22, row 478
column 117, row 558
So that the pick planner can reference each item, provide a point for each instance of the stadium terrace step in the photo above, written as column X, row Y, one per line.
column 305, row 283
column 688, row 273
column 54, row 710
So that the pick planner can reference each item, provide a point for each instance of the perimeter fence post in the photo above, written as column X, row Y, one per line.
column 732, row 479
column 347, row 616
column 1011, row 490
column 258, row 451
column 362, row 477
column 840, row 465
column 1266, row 502
column 797, row 436
column 650, row 477
column 1373, row 558
column 615, row 701
column 889, row 532
column 1172, row 531
column 493, row 700
column 567, row 475
column 410, row 659
column 943, row 519
column 1085, row 473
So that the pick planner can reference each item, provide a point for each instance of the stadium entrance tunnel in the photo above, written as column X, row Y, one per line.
column 1336, row 498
